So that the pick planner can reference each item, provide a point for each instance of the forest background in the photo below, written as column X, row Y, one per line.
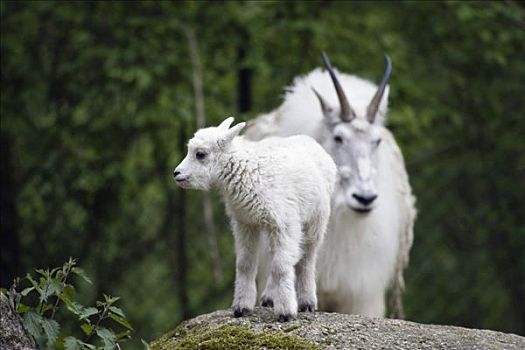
column 97, row 103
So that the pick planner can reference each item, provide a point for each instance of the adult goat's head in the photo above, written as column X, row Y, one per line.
column 354, row 138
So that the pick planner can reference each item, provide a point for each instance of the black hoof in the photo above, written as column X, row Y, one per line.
column 285, row 318
column 305, row 307
column 241, row 312
column 267, row 302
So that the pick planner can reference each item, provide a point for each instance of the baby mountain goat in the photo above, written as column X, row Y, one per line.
column 277, row 192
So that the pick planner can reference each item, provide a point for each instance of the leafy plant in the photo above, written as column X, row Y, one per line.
column 51, row 290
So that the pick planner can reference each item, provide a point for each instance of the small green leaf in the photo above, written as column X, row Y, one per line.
column 117, row 311
column 48, row 289
column 72, row 343
column 68, row 293
column 120, row 320
column 87, row 328
column 22, row 308
column 71, row 262
column 32, row 281
column 89, row 346
column 44, row 273
column 80, row 273
column 32, row 322
column 110, row 300
column 55, row 287
column 146, row 345
column 108, row 337
column 26, row 291
column 123, row 335
column 51, row 329
column 45, row 307
column 74, row 307
column 87, row 312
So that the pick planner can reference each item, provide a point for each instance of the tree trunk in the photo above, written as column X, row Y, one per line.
column 244, row 83
column 10, row 253
column 200, row 118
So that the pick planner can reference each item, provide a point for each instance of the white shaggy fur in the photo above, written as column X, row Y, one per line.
column 363, row 253
column 276, row 191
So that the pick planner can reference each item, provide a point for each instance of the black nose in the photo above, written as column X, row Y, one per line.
column 365, row 200
column 175, row 173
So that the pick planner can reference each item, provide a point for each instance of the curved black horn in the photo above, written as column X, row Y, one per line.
column 347, row 113
column 373, row 107
column 324, row 105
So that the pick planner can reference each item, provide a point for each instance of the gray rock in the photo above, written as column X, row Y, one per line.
column 320, row 330
column 13, row 335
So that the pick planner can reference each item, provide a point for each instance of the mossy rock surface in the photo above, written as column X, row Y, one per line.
column 220, row 330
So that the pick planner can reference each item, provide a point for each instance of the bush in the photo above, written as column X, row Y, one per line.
column 103, row 326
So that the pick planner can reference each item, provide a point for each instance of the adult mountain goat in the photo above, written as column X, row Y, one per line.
column 276, row 191
column 373, row 210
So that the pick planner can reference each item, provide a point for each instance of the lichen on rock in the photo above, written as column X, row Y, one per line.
column 230, row 337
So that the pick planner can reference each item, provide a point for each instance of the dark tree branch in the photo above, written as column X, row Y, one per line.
column 244, row 83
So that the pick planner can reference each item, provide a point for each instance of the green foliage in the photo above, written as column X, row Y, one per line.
column 53, row 289
column 97, row 96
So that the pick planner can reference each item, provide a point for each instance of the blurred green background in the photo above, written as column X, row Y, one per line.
column 97, row 105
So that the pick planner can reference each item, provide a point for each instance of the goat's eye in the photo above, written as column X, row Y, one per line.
column 377, row 142
column 338, row 139
column 200, row 155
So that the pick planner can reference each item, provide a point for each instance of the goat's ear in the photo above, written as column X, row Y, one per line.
column 225, row 125
column 234, row 131
column 230, row 134
column 329, row 111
